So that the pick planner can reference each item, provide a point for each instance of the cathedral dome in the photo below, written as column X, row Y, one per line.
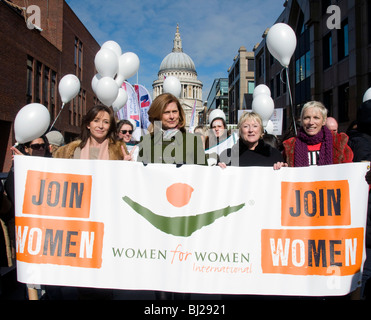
column 177, row 59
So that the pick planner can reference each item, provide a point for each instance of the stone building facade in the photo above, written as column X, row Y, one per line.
column 180, row 65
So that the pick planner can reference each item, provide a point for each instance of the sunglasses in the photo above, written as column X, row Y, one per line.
column 37, row 146
column 126, row 131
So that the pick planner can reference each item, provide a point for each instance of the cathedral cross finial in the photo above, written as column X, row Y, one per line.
column 177, row 41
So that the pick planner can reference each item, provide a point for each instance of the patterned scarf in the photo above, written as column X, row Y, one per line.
column 301, row 149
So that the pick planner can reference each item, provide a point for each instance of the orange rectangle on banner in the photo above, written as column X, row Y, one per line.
column 319, row 203
column 312, row 252
column 57, row 194
column 60, row 242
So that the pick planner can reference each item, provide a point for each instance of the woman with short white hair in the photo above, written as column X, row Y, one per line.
column 250, row 150
column 315, row 144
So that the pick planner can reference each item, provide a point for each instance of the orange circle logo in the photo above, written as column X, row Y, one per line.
column 179, row 194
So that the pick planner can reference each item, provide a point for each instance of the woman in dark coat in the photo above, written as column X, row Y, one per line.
column 251, row 150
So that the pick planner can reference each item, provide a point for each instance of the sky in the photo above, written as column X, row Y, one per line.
column 212, row 31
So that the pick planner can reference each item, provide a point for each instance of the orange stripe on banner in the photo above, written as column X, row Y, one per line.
column 60, row 242
column 312, row 252
column 57, row 194
column 321, row 203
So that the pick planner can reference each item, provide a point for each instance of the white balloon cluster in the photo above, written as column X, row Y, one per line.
column 113, row 69
column 263, row 105
column 33, row 119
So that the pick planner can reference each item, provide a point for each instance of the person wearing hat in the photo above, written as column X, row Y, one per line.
column 218, row 128
column 55, row 139
column 360, row 143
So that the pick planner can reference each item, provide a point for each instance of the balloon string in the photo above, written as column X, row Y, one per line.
column 51, row 127
column 291, row 103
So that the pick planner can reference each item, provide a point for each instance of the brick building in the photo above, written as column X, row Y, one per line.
column 32, row 62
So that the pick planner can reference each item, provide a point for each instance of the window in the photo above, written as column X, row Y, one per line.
column 260, row 66
column 344, row 103
column 251, row 87
column 250, row 65
column 38, row 82
column 307, row 64
column 29, row 79
column 272, row 88
column 343, row 39
column 328, row 101
column 52, row 93
column 302, row 67
column 78, row 58
column 278, row 85
column 327, row 51
column 41, row 85
column 46, row 87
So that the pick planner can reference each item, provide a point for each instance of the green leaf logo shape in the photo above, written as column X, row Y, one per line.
column 181, row 226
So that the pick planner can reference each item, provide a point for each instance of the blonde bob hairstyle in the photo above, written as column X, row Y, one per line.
column 158, row 106
column 314, row 104
column 250, row 116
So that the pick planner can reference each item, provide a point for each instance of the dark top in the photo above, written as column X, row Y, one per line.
column 240, row 156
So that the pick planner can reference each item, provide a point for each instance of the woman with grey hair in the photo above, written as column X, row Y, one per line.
column 315, row 144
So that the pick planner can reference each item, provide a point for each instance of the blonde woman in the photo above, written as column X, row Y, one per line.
column 315, row 144
column 251, row 150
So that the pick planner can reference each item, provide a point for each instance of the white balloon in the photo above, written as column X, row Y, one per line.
column 106, row 62
column 121, row 100
column 68, row 87
column 107, row 90
column 94, row 82
column 114, row 46
column 367, row 95
column 31, row 122
column 128, row 65
column 119, row 80
column 261, row 89
column 263, row 105
column 269, row 127
column 281, row 42
column 172, row 85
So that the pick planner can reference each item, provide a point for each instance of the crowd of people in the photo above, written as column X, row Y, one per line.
column 316, row 143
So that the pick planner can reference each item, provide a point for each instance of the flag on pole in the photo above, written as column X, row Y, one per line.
column 131, row 109
column 193, row 116
column 145, row 101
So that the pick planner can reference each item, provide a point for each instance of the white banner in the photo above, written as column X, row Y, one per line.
column 295, row 231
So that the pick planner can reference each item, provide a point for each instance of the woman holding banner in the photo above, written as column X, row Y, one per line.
column 315, row 144
column 97, row 138
column 250, row 150
column 167, row 141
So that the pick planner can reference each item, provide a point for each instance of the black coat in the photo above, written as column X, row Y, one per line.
column 239, row 155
